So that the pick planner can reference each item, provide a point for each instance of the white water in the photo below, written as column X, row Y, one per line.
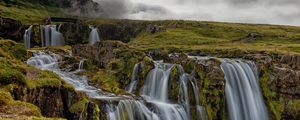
column 154, row 105
column 80, row 66
column 50, row 61
column 243, row 95
column 134, row 81
column 50, row 36
column 28, row 37
column 155, row 92
column 94, row 36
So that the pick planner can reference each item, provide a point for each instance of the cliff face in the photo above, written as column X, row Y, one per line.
column 279, row 76
column 11, row 29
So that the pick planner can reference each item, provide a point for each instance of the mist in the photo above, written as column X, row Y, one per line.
column 286, row 12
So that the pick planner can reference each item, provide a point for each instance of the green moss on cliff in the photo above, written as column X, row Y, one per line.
column 107, row 81
column 78, row 106
column 8, row 106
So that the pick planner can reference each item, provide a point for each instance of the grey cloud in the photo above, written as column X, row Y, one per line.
column 247, row 11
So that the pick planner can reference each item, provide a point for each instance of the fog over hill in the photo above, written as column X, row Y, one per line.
column 249, row 11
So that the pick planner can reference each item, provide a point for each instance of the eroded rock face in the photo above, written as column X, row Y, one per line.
column 11, row 29
column 55, row 101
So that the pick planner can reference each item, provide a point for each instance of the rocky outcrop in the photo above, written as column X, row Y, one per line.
column 56, row 101
column 11, row 29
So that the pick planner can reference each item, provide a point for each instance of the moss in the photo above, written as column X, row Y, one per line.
column 293, row 108
column 107, row 81
column 97, row 113
column 31, row 110
column 9, row 75
column 276, row 109
column 89, row 66
column 9, row 106
column 19, row 51
column 44, row 79
column 174, row 84
column 78, row 106
column 5, row 98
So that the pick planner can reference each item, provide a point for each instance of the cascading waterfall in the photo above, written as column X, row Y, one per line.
column 156, row 84
column 50, row 61
column 243, row 95
column 50, row 36
column 28, row 37
column 155, row 93
column 130, row 110
column 154, row 103
column 94, row 36
column 186, row 79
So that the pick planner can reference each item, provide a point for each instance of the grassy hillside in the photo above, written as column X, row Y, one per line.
column 28, row 11
column 192, row 35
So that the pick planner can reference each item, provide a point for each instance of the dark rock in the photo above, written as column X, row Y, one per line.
column 251, row 37
column 11, row 29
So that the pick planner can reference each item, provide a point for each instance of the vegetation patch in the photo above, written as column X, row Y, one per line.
column 79, row 106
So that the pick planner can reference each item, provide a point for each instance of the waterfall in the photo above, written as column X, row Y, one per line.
column 154, row 103
column 243, row 95
column 131, row 110
column 155, row 93
column 94, row 36
column 80, row 65
column 156, row 84
column 134, row 80
column 50, row 61
column 186, row 79
column 50, row 36
column 28, row 37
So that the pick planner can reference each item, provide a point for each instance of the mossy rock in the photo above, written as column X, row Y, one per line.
column 19, row 52
column 9, row 106
column 78, row 106
column 107, row 81
column 5, row 98
column 44, row 78
column 10, row 76
column 293, row 109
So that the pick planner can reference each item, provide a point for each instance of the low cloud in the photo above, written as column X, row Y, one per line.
column 246, row 11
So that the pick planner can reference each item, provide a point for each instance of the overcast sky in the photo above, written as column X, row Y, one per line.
column 246, row 11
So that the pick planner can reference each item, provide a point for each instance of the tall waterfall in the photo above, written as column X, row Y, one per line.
column 94, row 36
column 28, row 37
column 243, row 95
column 50, row 36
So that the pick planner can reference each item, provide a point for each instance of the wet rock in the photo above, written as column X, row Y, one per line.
column 11, row 29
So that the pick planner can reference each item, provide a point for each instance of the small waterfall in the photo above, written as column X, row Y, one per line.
column 28, row 37
column 80, row 65
column 50, row 36
column 134, row 80
column 50, row 61
column 243, row 95
column 131, row 110
column 186, row 79
column 155, row 92
column 94, row 36
column 156, row 84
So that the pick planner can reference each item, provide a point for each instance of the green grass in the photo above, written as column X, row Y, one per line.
column 28, row 11
column 196, row 35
